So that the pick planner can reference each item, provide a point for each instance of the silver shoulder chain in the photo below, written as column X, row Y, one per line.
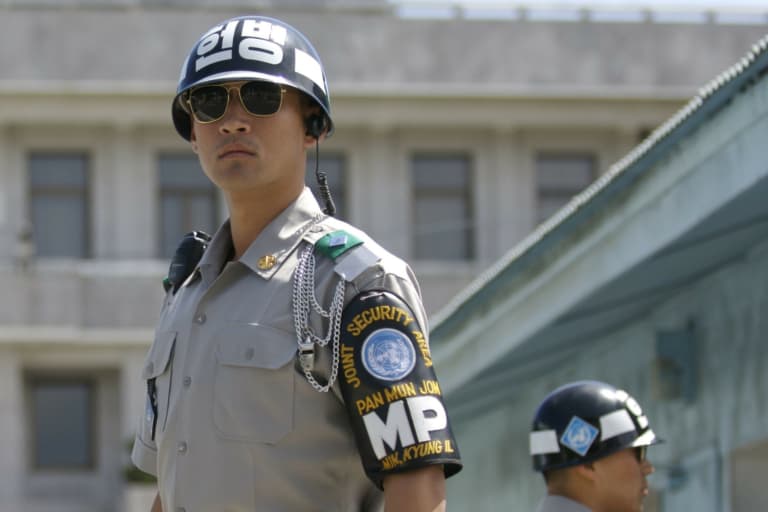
column 304, row 302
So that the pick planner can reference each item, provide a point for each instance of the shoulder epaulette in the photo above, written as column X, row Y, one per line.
column 336, row 243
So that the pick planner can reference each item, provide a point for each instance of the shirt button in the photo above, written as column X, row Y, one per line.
column 182, row 447
column 200, row 319
column 187, row 381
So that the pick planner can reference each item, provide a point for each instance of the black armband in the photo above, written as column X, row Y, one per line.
column 390, row 390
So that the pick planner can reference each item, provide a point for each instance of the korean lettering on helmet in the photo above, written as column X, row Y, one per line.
column 260, row 40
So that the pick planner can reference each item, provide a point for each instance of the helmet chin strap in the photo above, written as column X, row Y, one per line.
column 322, row 183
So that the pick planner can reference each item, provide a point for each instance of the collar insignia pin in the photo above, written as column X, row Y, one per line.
column 267, row 261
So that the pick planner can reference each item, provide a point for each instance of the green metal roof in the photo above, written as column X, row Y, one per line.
column 731, row 228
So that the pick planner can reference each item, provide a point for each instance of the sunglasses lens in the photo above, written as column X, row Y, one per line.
column 208, row 103
column 640, row 452
column 261, row 98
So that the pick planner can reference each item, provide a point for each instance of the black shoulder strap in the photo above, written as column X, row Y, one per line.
column 186, row 258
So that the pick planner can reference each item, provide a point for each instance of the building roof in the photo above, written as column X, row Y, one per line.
column 687, row 201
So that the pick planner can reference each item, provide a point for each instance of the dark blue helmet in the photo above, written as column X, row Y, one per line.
column 253, row 48
column 584, row 421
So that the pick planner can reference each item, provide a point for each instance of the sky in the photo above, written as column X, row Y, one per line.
column 716, row 4
column 684, row 11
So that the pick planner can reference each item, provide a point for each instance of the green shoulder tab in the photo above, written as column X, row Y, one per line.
column 336, row 243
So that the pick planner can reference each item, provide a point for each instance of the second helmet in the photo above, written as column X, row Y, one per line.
column 584, row 421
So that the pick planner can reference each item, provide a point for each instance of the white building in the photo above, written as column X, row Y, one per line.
column 455, row 137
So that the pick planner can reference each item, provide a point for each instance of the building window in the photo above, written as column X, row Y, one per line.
column 62, row 423
column 442, row 208
column 188, row 200
column 58, row 187
column 334, row 166
column 559, row 177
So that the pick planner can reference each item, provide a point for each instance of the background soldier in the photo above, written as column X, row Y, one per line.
column 296, row 347
column 589, row 440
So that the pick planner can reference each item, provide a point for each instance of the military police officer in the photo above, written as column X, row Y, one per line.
column 589, row 441
column 290, row 369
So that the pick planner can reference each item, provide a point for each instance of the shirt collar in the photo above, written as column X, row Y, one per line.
column 216, row 254
column 273, row 245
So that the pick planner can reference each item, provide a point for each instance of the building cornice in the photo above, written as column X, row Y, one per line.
column 69, row 336
column 121, row 88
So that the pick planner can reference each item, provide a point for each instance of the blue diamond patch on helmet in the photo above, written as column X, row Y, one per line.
column 579, row 436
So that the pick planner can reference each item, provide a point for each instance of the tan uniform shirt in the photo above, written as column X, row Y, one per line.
column 238, row 427
column 552, row 503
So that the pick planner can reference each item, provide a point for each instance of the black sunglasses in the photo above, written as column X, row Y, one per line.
column 209, row 103
column 640, row 453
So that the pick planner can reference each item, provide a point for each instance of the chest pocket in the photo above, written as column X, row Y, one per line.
column 157, row 374
column 254, row 383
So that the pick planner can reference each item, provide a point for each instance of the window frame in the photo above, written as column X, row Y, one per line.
column 161, row 191
column 60, row 191
column 468, row 194
column 34, row 379
column 564, row 193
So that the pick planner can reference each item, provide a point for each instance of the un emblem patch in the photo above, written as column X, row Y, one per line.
column 579, row 436
column 388, row 354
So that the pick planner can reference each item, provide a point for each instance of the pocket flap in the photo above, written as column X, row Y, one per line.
column 159, row 355
column 256, row 346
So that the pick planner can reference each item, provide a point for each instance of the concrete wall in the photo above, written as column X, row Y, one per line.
column 368, row 51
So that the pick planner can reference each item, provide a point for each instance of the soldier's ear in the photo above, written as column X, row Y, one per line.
column 585, row 471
